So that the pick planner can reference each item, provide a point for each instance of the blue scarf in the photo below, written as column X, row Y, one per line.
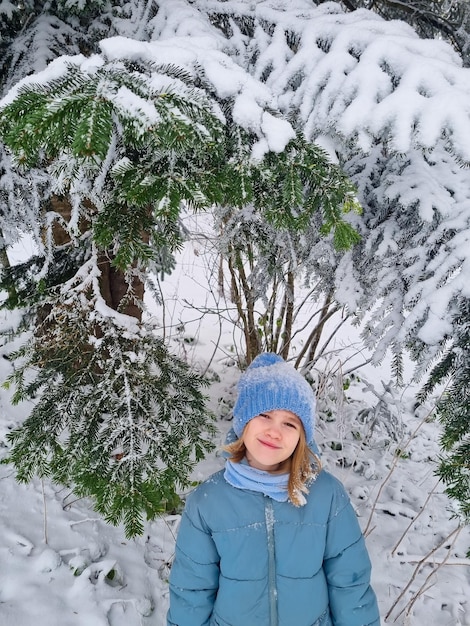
column 243, row 476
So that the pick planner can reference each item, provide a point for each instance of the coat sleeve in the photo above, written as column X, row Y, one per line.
column 347, row 567
column 194, row 576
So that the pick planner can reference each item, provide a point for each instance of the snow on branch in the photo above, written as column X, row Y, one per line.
column 251, row 99
column 364, row 77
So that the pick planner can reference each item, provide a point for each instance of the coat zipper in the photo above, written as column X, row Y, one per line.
column 269, row 517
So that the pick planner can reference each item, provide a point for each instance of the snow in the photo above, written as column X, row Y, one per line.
column 378, row 97
column 62, row 564
column 7, row 8
column 56, row 69
column 228, row 79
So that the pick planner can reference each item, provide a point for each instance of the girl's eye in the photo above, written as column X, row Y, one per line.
column 291, row 425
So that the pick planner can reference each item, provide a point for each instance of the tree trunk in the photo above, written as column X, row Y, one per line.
column 121, row 292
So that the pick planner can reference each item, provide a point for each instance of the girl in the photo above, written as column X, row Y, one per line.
column 271, row 540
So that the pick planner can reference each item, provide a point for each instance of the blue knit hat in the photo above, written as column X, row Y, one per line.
column 269, row 383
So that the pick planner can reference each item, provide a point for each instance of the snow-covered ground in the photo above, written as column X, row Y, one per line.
column 61, row 565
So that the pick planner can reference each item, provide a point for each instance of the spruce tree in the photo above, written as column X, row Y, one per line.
column 126, row 146
column 116, row 417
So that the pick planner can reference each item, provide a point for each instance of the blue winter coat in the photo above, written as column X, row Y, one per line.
column 244, row 559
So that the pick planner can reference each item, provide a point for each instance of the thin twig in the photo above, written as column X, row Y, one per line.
column 85, row 520
column 425, row 585
column 445, row 562
column 216, row 347
column 67, row 505
column 394, row 464
column 416, row 517
column 418, row 567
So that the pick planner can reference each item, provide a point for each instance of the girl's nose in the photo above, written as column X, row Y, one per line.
column 274, row 431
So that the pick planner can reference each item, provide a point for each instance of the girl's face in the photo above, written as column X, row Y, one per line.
column 270, row 439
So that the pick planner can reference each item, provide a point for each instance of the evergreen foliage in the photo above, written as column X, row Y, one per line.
column 156, row 148
column 433, row 19
column 453, row 410
column 116, row 416
column 299, row 183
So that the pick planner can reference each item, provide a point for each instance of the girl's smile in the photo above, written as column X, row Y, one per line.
column 270, row 439
column 266, row 443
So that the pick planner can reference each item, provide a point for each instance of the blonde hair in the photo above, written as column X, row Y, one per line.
column 304, row 468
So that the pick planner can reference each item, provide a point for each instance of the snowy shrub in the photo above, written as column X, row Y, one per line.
column 115, row 417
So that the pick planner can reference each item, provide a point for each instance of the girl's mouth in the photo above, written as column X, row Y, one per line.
column 268, row 444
